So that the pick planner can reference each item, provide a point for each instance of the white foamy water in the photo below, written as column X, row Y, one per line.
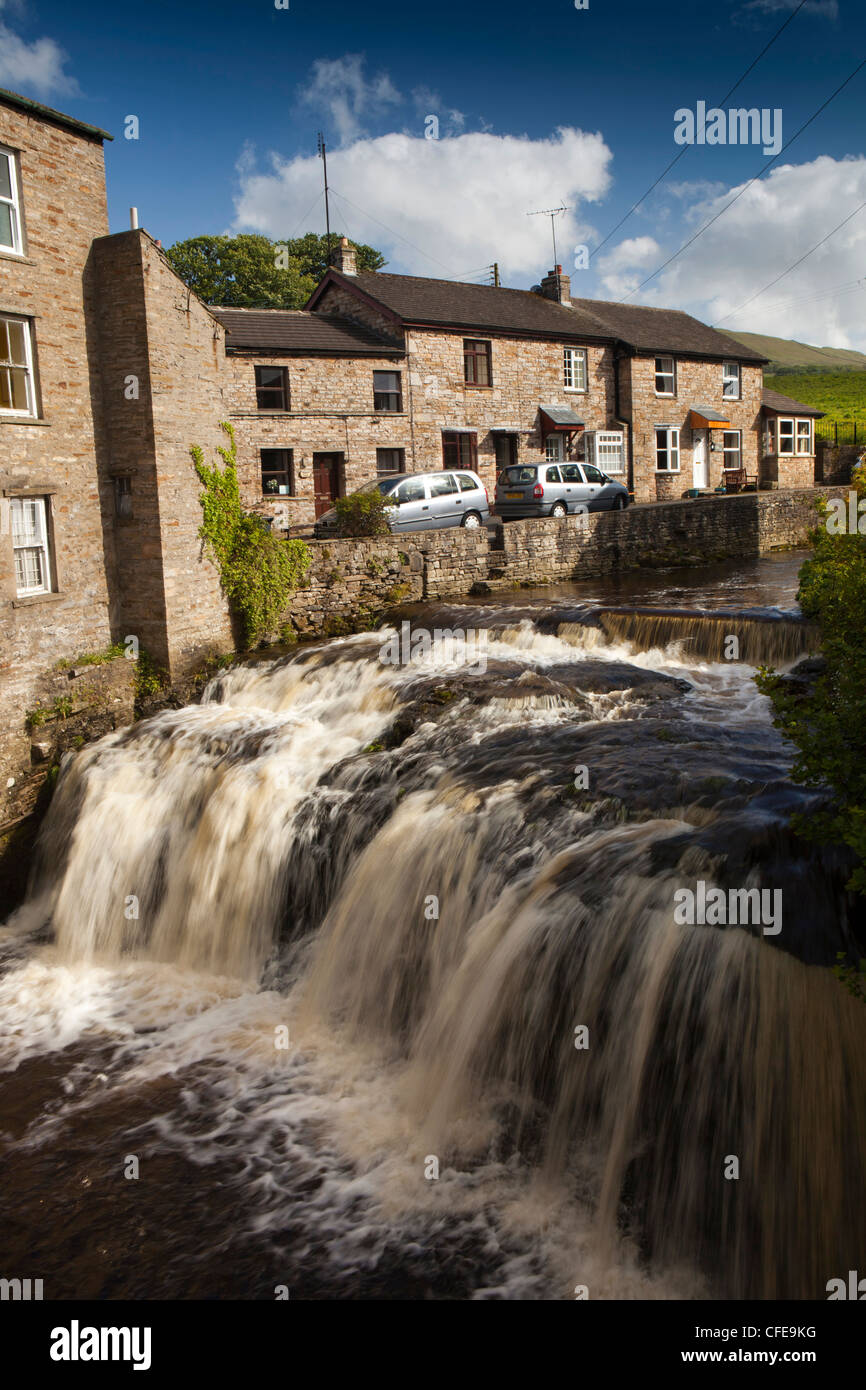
column 411, row 1034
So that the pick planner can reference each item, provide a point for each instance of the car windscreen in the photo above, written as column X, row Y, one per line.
column 518, row 473
column 378, row 485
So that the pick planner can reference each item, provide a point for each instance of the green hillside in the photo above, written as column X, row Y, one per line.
column 841, row 395
column 787, row 355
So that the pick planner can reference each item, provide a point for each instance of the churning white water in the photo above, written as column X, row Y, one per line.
column 358, row 967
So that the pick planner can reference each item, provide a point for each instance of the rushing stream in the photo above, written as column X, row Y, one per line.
column 371, row 971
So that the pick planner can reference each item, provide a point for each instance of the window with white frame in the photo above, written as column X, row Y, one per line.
column 731, row 380
column 17, row 395
column 30, row 545
column 804, row 436
column 732, row 452
column 786, row 436
column 666, row 377
column 574, row 369
column 606, row 449
column 667, row 449
column 553, row 448
column 10, row 205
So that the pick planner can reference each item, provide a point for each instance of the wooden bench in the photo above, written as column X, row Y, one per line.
column 738, row 480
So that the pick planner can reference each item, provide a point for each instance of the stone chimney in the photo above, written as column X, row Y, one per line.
column 557, row 286
column 344, row 258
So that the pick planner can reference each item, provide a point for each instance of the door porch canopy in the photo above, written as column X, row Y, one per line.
column 558, row 419
column 706, row 417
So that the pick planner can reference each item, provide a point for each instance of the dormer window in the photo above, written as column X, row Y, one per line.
column 10, row 205
column 666, row 377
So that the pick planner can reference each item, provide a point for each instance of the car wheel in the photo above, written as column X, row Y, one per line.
column 471, row 521
column 619, row 503
column 558, row 509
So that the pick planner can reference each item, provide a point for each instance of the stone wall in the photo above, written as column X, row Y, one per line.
column 53, row 455
column 162, row 359
column 835, row 463
column 331, row 411
column 352, row 580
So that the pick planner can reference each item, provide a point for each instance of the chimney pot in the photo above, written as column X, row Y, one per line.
column 557, row 286
column 343, row 259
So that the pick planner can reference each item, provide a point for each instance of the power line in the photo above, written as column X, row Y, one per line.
column 794, row 266
column 849, row 287
column 386, row 228
column 739, row 82
column 764, row 169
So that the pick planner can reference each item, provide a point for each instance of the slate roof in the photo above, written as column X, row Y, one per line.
column 774, row 400
column 417, row 300
column 47, row 113
column 657, row 330
column 295, row 330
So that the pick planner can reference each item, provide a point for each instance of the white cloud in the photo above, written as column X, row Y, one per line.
column 347, row 100
column 37, row 66
column 775, row 222
column 462, row 200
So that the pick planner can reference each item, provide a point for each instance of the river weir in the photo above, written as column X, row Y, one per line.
column 369, row 973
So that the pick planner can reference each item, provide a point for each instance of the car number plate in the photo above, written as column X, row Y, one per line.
column 514, row 495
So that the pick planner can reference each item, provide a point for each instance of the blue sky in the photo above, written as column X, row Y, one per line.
column 537, row 105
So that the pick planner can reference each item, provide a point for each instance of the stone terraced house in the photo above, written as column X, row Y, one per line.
column 110, row 368
column 389, row 373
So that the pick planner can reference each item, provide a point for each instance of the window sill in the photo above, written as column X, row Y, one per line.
column 477, row 386
column 576, row 390
column 19, row 256
column 28, row 600
column 668, row 472
column 22, row 420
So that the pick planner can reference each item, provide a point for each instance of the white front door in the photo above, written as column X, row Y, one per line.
column 699, row 458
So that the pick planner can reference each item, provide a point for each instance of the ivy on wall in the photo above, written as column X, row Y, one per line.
column 258, row 571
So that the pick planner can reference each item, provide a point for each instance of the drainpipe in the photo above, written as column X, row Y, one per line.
column 619, row 357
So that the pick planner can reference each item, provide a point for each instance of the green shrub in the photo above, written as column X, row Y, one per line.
column 827, row 723
column 258, row 571
column 364, row 514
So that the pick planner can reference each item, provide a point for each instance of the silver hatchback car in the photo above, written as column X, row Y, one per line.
column 554, row 489
column 425, row 502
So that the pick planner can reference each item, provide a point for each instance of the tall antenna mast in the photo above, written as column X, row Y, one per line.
column 552, row 213
column 323, row 155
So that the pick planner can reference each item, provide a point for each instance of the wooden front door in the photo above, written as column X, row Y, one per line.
column 326, row 481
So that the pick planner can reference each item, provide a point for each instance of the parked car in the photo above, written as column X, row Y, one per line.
column 424, row 502
column 554, row 489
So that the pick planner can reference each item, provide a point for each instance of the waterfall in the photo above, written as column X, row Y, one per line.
column 477, row 954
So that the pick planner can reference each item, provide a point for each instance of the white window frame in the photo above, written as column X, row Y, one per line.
column 798, row 426
column 574, row 381
column 727, row 450
column 787, row 420
column 558, row 454
column 671, row 446
column 39, row 542
column 660, row 371
column 606, row 445
column 27, row 366
column 732, row 376
column 13, row 202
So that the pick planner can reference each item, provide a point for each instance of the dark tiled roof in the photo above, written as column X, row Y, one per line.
column 296, row 330
column 561, row 415
column 448, row 302
column 47, row 113
column 660, row 330
column 774, row 400
column 452, row 304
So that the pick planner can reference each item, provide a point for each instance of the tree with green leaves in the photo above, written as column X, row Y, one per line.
column 826, row 718
column 311, row 253
column 250, row 271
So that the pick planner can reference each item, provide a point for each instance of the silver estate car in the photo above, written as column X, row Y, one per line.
column 424, row 502
column 554, row 489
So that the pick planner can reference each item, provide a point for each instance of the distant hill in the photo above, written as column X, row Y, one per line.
column 787, row 355
column 841, row 395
